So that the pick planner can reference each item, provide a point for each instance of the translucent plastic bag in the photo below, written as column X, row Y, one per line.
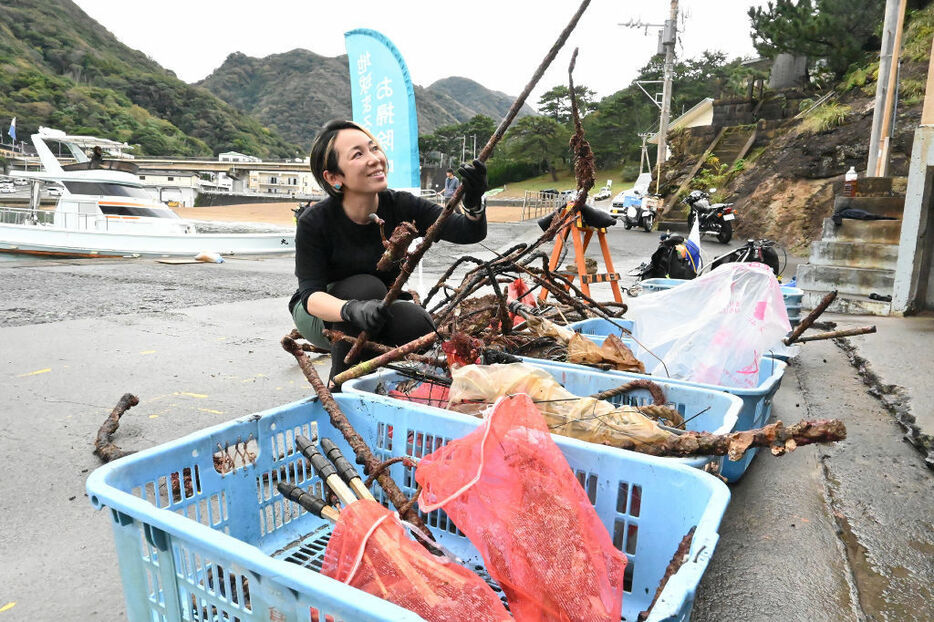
column 584, row 418
column 370, row 550
column 507, row 486
column 713, row 329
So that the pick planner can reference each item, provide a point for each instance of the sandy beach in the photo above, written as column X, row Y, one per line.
column 281, row 213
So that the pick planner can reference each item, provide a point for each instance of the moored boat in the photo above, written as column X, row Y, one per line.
column 104, row 210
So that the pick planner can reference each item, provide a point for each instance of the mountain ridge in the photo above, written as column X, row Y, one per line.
column 284, row 92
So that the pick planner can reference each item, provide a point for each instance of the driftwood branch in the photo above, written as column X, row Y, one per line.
column 362, row 451
column 776, row 437
column 415, row 256
column 845, row 332
column 810, row 318
column 368, row 367
column 104, row 447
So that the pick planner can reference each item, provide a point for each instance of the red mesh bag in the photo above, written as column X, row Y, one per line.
column 370, row 550
column 519, row 290
column 507, row 486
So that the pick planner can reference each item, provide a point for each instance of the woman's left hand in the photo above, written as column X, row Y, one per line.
column 473, row 178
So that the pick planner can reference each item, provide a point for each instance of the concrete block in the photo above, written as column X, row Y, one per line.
column 881, row 206
column 862, row 281
column 849, row 304
column 866, row 231
column 853, row 254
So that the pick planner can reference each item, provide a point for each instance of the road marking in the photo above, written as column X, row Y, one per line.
column 35, row 373
column 148, row 352
column 198, row 395
column 213, row 412
column 8, row 606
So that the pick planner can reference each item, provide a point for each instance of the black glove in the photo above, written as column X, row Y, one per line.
column 366, row 315
column 473, row 178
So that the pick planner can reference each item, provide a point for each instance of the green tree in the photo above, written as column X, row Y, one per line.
column 538, row 139
column 834, row 32
column 556, row 103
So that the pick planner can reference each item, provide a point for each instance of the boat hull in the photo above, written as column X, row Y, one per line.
column 58, row 242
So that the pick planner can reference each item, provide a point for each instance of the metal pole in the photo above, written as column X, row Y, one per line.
column 881, row 168
column 463, row 147
column 885, row 66
column 669, row 38
column 474, row 146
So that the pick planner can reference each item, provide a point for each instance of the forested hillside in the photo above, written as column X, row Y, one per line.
column 296, row 92
column 60, row 68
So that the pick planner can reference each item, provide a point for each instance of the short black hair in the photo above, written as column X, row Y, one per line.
column 323, row 158
column 450, row 170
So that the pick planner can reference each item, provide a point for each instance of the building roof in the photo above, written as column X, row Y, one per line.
column 691, row 118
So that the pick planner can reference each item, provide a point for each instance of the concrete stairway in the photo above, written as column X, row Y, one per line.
column 857, row 258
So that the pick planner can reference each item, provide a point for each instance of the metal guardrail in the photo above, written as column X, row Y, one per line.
column 26, row 216
column 536, row 204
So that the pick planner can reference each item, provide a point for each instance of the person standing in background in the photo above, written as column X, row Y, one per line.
column 450, row 184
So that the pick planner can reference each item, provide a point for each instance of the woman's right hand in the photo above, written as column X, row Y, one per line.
column 368, row 315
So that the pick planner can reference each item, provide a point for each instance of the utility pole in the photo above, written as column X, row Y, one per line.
column 878, row 161
column 668, row 37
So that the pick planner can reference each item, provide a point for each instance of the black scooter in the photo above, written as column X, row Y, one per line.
column 716, row 218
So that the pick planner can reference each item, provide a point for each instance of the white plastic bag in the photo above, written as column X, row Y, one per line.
column 713, row 329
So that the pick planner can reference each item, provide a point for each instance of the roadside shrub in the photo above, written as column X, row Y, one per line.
column 506, row 170
column 824, row 117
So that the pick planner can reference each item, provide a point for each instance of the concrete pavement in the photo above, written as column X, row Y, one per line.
column 825, row 533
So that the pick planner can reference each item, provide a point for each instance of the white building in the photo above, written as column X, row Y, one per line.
column 234, row 156
column 174, row 187
column 283, row 182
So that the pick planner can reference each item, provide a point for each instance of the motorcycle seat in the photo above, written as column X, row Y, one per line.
column 592, row 217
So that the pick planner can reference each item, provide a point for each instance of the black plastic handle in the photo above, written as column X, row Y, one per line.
column 344, row 468
column 319, row 463
column 308, row 501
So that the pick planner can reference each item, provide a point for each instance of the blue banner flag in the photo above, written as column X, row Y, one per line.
column 12, row 130
column 384, row 102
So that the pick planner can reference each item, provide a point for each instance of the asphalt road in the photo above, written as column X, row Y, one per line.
column 829, row 533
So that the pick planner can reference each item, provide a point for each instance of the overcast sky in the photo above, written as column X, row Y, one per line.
column 497, row 43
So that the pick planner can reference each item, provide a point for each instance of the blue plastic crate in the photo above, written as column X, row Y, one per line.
column 791, row 295
column 229, row 547
column 709, row 411
column 755, row 412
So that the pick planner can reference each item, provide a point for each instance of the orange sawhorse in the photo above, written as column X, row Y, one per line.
column 580, row 248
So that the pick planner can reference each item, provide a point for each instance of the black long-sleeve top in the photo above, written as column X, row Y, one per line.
column 330, row 247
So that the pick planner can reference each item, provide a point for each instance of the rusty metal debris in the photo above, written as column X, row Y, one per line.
column 677, row 560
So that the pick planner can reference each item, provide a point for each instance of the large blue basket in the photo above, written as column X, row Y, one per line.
column 707, row 411
column 757, row 401
column 229, row 547
column 791, row 295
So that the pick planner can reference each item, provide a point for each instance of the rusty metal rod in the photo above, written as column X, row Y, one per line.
column 339, row 420
column 845, row 332
column 810, row 317
column 414, row 257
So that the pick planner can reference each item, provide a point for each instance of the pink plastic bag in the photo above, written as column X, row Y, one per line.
column 508, row 487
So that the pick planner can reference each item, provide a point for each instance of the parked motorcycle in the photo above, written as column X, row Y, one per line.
column 716, row 218
column 641, row 214
column 761, row 251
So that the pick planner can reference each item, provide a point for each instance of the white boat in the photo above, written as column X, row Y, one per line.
column 106, row 211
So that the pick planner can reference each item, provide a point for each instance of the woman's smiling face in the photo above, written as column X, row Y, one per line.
column 361, row 161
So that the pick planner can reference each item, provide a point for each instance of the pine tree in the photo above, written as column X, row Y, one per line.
column 834, row 32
